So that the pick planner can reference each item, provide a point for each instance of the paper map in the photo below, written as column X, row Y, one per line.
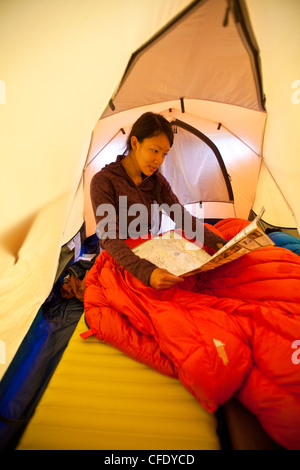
column 182, row 258
column 173, row 252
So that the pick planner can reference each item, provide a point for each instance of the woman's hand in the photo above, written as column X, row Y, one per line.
column 219, row 245
column 162, row 279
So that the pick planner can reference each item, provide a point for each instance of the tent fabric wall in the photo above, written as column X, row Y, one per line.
column 183, row 169
column 206, row 56
column 211, row 69
column 59, row 74
column 237, row 149
column 276, row 26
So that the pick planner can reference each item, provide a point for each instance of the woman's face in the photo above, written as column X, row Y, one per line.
column 150, row 153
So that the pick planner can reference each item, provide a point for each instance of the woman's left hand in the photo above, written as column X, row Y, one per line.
column 163, row 279
column 219, row 245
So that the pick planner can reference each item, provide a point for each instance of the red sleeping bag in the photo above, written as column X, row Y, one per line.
column 232, row 331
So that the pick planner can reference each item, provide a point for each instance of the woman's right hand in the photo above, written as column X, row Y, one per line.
column 161, row 279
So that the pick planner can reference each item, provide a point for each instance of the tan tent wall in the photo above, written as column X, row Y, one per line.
column 60, row 61
column 276, row 27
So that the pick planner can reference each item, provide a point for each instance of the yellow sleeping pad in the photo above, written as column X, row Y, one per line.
column 98, row 398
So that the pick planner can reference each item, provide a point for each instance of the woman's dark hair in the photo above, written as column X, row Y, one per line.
column 150, row 125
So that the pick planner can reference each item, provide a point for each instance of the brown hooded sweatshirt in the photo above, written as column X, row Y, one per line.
column 106, row 188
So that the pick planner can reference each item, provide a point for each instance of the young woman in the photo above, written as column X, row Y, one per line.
column 133, row 179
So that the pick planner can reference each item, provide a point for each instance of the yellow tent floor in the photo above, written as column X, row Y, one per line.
column 98, row 398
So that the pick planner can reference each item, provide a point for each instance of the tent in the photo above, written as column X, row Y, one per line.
column 75, row 75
